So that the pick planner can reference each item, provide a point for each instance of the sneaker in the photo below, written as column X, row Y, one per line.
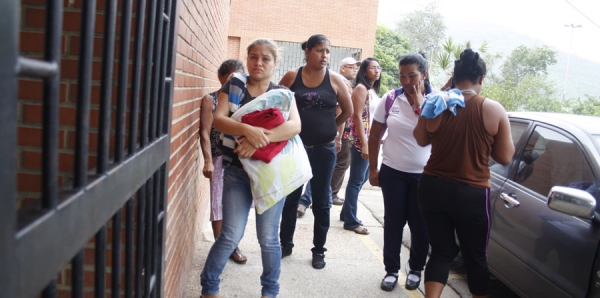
column 286, row 251
column 389, row 282
column 318, row 260
column 301, row 210
column 338, row 201
column 413, row 280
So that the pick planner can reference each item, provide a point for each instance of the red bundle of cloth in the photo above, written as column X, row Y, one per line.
column 268, row 119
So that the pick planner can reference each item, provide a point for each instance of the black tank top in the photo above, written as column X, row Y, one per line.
column 316, row 107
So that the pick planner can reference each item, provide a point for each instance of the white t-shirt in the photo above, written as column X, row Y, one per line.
column 400, row 149
column 374, row 103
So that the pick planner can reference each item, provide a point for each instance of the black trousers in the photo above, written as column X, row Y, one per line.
column 322, row 161
column 448, row 206
column 401, row 206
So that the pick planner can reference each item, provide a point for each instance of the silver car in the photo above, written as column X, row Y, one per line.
column 544, row 240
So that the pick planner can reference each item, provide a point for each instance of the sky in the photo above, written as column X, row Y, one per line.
column 542, row 19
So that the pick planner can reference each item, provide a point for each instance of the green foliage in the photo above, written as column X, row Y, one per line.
column 533, row 93
column 524, row 61
column 450, row 51
column 521, row 85
column 389, row 47
column 590, row 107
column 425, row 28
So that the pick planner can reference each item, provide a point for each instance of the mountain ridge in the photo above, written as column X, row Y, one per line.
column 584, row 74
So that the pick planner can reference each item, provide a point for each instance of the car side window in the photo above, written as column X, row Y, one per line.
column 552, row 159
column 516, row 130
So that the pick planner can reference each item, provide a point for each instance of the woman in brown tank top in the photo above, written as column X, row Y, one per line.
column 454, row 187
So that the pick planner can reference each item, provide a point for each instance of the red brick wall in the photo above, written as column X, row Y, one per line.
column 233, row 47
column 347, row 23
column 201, row 47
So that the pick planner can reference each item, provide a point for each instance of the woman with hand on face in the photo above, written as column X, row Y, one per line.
column 237, row 193
column 401, row 168
column 454, row 188
column 317, row 92
column 213, row 160
column 364, row 102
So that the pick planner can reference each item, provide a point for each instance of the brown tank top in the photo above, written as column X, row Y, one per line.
column 461, row 146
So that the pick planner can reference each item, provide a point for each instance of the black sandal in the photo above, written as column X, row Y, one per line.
column 238, row 257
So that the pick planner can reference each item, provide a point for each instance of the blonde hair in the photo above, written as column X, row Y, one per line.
column 269, row 43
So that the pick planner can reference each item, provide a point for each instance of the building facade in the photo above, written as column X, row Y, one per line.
column 99, row 91
column 350, row 25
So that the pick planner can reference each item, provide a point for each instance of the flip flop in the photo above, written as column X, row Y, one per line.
column 359, row 230
column 238, row 257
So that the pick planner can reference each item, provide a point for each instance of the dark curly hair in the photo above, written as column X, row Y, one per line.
column 229, row 65
column 469, row 67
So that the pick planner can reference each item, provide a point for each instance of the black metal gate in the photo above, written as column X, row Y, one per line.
column 128, row 182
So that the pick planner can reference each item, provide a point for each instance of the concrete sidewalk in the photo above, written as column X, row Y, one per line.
column 354, row 264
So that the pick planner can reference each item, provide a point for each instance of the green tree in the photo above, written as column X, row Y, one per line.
column 590, row 106
column 389, row 47
column 523, row 84
column 532, row 93
column 524, row 61
column 425, row 28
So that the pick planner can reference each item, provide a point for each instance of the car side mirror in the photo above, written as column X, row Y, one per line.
column 573, row 202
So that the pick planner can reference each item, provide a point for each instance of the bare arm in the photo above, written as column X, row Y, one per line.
column 289, row 78
column 343, row 97
column 374, row 145
column 497, row 124
column 359, row 97
column 206, row 119
column 338, row 110
column 420, row 133
column 340, row 132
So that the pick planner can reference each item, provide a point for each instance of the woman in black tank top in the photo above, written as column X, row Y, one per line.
column 317, row 93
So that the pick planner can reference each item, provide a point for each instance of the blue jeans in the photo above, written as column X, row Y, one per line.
column 306, row 198
column 359, row 174
column 322, row 161
column 401, row 205
column 237, row 199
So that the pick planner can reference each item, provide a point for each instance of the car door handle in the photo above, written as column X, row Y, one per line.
column 510, row 200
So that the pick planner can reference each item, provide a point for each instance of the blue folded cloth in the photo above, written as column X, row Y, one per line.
column 438, row 102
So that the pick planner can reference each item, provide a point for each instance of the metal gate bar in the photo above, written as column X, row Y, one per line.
column 124, row 37
column 140, row 242
column 115, row 269
column 100, row 263
column 148, row 74
column 159, row 72
column 84, row 87
column 136, row 77
column 50, row 103
column 36, row 244
column 106, row 85
column 8, row 135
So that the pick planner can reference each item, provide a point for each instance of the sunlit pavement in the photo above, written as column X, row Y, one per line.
column 354, row 262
